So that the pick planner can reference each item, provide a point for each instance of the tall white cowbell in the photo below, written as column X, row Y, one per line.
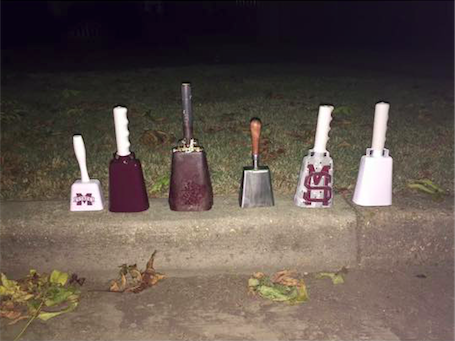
column 374, row 181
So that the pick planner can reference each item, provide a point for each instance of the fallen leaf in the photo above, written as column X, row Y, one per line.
column 212, row 130
column 58, row 277
column 281, row 288
column 10, row 314
column 279, row 276
column 258, row 275
column 132, row 280
column 148, row 114
column 271, row 95
column 336, row 277
column 20, row 318
column 296, row 135
column 345, row 144
column 268, row 155
column 429, row 187
column 425, row 117
column 75, row 279
column 28, row 297
column 153, row 138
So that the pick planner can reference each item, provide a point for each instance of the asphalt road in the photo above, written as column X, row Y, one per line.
column 412, row 303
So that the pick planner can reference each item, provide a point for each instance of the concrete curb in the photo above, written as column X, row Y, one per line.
column 226, row 239
column 413, row 231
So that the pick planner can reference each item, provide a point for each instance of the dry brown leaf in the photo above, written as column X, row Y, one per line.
column 272, row 155
column 271, row 95
column 154, row 138
column 296, row 135
column 285, row 277
column 18, row 319
column 258, row 275
column 119, row 286
column 114, row 287
column 341, row 122
column 10, row 314
column 140, row 280
column 8, row 305
column 135, row 273
column 425, row 117
column 149, row 265
column 156, row 278
column 135, row 289
column 345, row 144
column 211, row 130
column 280, row 274
column 289, row 281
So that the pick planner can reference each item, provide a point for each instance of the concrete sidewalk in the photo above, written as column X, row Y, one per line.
column 45, row 235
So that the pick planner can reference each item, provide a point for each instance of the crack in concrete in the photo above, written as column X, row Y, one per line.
column 359, row 220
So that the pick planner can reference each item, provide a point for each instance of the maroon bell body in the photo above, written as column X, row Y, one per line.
column 127, row 192
column 190, row 188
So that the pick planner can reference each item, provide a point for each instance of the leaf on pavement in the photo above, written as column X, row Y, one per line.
column 336, row 277
column 58, row 277
column 282, row 287
column 132, row 280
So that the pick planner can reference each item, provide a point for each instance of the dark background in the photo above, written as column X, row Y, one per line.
column 392, row 26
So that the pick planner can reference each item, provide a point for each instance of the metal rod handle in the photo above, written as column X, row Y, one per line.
column 187, row 112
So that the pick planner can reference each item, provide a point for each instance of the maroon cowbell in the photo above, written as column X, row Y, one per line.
column 127, row 192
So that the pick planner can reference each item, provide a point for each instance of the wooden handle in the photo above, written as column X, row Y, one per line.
column 255, row 127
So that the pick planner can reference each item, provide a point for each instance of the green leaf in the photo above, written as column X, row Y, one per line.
column 272, row 293
column 421, row 188
column 429, row 187
column 336, row 278
column 44, row 315
column 12, row 288
column 33, row 306
column 302, row 294
column 57, row 295
column 8, row 284
column 58, row 277
column 426, row 185
column 253, row 282
column 432, row 185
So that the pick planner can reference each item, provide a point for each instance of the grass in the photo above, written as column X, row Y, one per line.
column 41, row 111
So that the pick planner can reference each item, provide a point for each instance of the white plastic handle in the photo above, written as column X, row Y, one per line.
column 121, row 131
column 381, row 116
column 322, row 129
column 79, row 150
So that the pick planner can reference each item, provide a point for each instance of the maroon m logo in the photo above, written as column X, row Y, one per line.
column 317, row 177
column 86, row 199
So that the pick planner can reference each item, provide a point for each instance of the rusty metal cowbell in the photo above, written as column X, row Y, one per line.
column 190, row 186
